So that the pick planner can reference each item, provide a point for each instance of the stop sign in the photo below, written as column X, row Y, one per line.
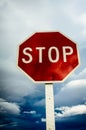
column 48, row 56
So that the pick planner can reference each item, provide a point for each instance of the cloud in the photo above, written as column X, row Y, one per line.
column 19, row 20
column 2, row 100
column 14, row 84
column 29, row 16
column 11, row 124
column 70, row 111
column 75, row 84
column 40, row 102
column 43, row 120
column 72, row 93
column 29, row 112
column 82, row 19
column 82, row 74
column 8, row 107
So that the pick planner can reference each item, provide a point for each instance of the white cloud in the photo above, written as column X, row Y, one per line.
column 19, row 20
column 71, row 111
column 72, row 93
column 2, row 100
column 30, row 112
column 81, row 83
column 11, row 124
column 82, row 74
column 84, row 32
column 82, row 19
column 43, row 120
column 9, row 108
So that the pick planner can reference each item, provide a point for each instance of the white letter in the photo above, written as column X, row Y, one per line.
column 56, row 53
column 65, row 53
column 27, row 54
column 40, row 49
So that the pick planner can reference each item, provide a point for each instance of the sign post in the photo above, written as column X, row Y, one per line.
column 48, row 57
column 50, row 119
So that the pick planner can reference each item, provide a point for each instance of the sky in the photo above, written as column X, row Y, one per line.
column 22, row 102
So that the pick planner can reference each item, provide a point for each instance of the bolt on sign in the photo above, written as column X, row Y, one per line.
column 48, row 57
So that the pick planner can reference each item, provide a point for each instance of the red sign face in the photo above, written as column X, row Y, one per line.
column 48, row 57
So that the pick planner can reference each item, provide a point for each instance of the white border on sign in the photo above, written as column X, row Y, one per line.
column 48, row 81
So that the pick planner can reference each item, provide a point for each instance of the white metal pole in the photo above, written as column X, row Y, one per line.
column 50, row 119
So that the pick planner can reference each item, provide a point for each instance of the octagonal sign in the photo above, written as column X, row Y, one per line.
column 48, row 57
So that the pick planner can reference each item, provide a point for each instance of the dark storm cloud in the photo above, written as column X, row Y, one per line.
column 18, row 95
